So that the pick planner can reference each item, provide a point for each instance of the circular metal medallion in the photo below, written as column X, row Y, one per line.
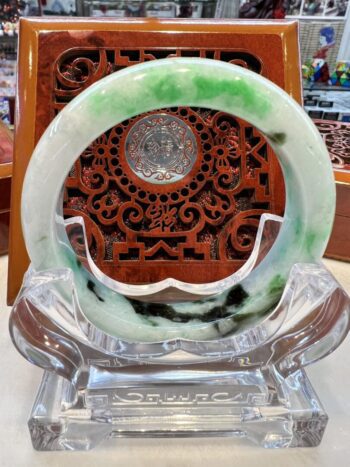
column 161, row 148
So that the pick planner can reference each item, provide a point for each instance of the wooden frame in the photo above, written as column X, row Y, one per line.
column 198, row 34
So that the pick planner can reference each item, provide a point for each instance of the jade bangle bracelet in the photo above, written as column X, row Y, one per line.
column 219, row 310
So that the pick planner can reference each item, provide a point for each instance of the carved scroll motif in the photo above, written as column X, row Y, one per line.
column 336, row 135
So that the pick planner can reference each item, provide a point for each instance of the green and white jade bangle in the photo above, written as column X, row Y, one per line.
column 170, row 83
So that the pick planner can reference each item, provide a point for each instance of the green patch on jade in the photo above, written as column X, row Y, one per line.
column 276, row 285
column 211, row 88
column 311, row 239
column 298, row 224
column 112, row 102
column 167, row 89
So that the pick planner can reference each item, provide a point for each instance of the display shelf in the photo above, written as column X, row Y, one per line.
column 323, row 87
column 159, row 9
column 327, row 102
column 8, row 46
column 311, row 10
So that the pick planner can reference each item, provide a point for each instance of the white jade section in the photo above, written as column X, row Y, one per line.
column 168, row 83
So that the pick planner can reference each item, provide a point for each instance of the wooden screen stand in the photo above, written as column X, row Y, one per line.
column 233, row 179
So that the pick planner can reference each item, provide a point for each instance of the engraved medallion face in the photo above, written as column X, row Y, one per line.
column 161, row 149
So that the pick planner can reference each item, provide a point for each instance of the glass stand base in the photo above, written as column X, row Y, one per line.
column 194, row 400
column 250, row 384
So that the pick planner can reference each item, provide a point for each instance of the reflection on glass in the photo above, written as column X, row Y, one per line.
column 142, row 8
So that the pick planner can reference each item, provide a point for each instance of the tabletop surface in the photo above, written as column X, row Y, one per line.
column 19, row 382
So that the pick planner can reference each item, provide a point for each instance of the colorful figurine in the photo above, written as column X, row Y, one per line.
column 316, row 71
column 341, row 74
column 327, row 41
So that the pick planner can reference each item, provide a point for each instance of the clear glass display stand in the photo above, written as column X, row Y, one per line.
column 250, row 385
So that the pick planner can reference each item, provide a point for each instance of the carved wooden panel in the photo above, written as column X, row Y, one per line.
column 209, row 208
column 336, row 135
